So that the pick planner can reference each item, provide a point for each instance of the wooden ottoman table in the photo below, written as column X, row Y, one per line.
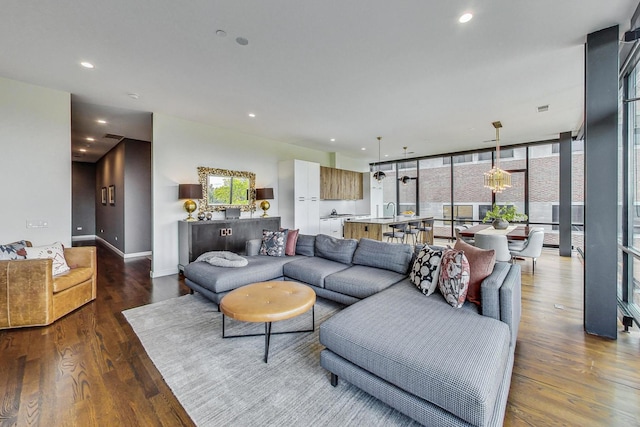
column 268, row 302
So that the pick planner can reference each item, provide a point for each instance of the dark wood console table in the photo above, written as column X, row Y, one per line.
column 198, row 237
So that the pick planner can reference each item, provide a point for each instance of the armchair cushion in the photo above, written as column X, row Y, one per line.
column 71, row 278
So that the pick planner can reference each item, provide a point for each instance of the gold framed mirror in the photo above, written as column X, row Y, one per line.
column 222, row 189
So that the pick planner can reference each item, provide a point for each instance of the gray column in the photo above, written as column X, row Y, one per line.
column 601, row 182
column 565, row 194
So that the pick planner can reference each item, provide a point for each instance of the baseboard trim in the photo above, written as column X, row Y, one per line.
column 84, row 237
column 161, row 273
column 122, row 254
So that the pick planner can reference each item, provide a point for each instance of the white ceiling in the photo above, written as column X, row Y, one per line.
column 315, row 70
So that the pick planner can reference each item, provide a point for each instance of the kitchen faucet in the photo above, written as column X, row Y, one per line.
column 394, row 207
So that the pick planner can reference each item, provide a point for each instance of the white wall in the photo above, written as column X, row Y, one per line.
column 35, row 160
column 180, row 146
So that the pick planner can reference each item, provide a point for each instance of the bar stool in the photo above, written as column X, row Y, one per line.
column 426, row 231
column 396, row 233
column 413, row 230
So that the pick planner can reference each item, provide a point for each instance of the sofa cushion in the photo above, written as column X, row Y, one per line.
column 273, row 242
column 312, row 270
column 306, row 245
column 55, row 252
column 259, row 268
column 454, row 277
column 389, row 256
column 426, row 269
column 339, row 250
column 71, row 278
column 361, row 281
column 455, row 359
column 15, row 250
column 481, row 263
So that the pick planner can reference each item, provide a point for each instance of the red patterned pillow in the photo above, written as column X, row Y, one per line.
column 481, row 263
column 454, row 277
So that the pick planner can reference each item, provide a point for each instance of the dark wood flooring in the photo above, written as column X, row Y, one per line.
column 89, row 368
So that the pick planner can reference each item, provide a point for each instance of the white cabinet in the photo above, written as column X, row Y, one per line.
column 299, row 195
column 331, row 227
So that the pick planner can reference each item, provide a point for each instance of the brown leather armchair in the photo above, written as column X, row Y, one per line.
column 31, row 296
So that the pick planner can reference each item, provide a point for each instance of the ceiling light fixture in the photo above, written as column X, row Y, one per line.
column 90, row 139
column 133, row 95
column 252, row 115
column 405, row 179
column 332, row 140
column 497, row 179
column 102, row 122
column 83, row 150
column 466, row 17
column 242, row 41
column 379, row 175
column 221, row 33
column 86, row 64
column 364, row 148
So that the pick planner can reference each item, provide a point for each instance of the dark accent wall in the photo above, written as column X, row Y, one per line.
column 137, row 196
column 83, row 199
column 126, row 224
column 601, row 183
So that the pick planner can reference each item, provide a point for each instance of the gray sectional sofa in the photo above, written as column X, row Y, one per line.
column 439, row 365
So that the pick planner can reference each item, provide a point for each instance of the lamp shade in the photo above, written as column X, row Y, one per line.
column 264, row 193
column 189, row 191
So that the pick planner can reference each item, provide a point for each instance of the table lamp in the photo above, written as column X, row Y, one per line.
column 264, row 194
column 190, row 192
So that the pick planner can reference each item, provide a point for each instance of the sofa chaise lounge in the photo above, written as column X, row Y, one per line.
column 439, row 365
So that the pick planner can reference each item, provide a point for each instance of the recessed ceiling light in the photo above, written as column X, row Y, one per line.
column 465, row 18
column 363, row 148
column 90, row 139
column 386, row 155
column 242, row 41
column 332, row 140
column 252, row 115
column 102, row 122
column 133, row 95
column 83, row 150
column 86, row 64
column 221, row 33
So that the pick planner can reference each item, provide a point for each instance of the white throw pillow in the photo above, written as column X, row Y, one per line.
column 55, row 252
column 426, row 270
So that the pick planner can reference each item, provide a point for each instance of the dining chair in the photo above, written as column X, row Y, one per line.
column 457, row 230
column 497, row 242
column 532, row 247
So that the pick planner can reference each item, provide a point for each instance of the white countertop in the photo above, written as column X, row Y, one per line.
column 390, row 220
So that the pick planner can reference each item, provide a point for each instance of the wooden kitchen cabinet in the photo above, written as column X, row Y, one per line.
column 340, row 184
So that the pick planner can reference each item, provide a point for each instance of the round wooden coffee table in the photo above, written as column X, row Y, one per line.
column 268, row 302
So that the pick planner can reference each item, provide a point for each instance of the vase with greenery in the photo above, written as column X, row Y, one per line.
column 501, row 216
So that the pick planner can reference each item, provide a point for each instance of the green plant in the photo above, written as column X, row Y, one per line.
column 505, row 212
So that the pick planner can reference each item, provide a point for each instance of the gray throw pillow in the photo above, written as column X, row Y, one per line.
column 339, row 250
column 389, row 256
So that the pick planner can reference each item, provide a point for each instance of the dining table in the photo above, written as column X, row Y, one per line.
column 513, row 232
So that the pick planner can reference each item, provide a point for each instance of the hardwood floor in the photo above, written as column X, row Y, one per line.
column 89, row 368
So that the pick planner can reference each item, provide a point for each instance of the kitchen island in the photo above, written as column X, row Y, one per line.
column 373, row 228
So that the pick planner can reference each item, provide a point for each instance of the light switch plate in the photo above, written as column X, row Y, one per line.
column 37, row 223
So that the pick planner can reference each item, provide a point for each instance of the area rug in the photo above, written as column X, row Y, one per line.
column 224, row 382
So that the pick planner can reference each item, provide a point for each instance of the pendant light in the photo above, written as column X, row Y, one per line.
column 405, row 179
column 497, row 179
column 379, row 175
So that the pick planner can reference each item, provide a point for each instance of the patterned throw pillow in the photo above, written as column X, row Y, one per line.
column 13, row 250
column 454, row 277
column 54, row 251
column 426, row 269
column 273, row 243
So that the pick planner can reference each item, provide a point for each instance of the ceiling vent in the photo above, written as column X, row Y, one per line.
column 543, row 108
column 113, row 136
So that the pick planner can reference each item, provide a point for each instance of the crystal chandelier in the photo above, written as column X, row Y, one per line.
column 497, row 179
